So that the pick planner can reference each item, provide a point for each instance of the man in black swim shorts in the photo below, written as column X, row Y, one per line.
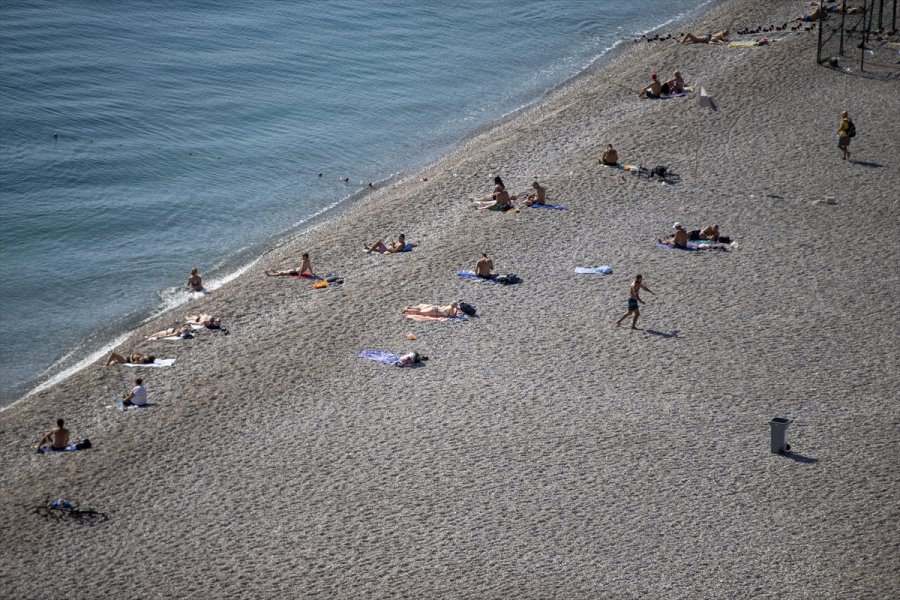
column 634, row 298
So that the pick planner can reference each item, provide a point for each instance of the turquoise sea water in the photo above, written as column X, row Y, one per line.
column 191, row 134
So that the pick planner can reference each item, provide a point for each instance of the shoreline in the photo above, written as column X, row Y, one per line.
column 243, row 260
column 540, row 451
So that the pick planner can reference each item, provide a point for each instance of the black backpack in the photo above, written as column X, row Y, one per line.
column 851, row 131
column 467, row 309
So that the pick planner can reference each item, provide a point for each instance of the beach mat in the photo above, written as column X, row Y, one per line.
column 471, row 275
column 48, row 450
column 633, row 169
column 120, row 404
column 159, row 362
column 604, row 270
column 459, row 319
column 549, row 206
column 379, row 356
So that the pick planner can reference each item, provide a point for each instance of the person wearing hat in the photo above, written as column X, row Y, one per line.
column 654, row 90
column 680, row 239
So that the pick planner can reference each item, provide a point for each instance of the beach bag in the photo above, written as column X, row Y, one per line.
column 214, row 323
column 724, row 239
column 320, row 284
column 659, row 171
column 467, row 309
column 509, row 279
column 83, row 444
column 851, row 131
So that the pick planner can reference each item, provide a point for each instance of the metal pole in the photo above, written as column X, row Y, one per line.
column 819, row 43
column 843, row 20
column 880, row 13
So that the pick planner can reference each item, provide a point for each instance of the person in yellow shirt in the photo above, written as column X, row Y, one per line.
column 844, row 134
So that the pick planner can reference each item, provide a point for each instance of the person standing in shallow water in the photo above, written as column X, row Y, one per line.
column 195, row 282
column 634, row 297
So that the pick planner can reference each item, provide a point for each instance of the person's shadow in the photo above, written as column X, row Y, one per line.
column 864, row 163
column 799, row 457
column 663, row 334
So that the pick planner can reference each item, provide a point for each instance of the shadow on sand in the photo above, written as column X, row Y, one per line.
column 863, row 163
column 799, row 457
column 663, row 334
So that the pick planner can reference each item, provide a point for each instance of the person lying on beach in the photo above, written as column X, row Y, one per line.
column 208, row 321
column 433, row 310
column 813, row 16
column 484, row 267
column 610, row 156
column 170, row 332
column 720, row 37
column 137, row 396
column 132, row 359
column 304, row 270
column 679, row 240
column 676, row 84
column 401, row 245
column 842, row 8
column 654, row 90
column 538, row 196
column 57, row 438
column 195, row 282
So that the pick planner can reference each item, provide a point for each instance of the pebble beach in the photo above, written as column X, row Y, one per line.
column 540, row 451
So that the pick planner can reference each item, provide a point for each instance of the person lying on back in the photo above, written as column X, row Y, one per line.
column 401, row 245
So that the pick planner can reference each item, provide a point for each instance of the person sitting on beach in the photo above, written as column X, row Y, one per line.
column 137, row 396
column 679, row 240
column 676, row 84
column 484, row 267
column 720, row 37
column 710, row 232
column 654, row 90
column 401, row 245
column 56, row 439
column 433, row 310
column 610, row 156
column 538, row 196
column 500, row 201
column 498, row 187
column 132, row 359
column 304, row 270
column 195, row 282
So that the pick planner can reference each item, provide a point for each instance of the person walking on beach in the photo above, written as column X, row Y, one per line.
column 195, row 282
column 634, row 297
column 846, row 131
column 58, row 437
column 137, row 396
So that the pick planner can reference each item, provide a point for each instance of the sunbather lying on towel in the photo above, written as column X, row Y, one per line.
column 433, row 310
column 401, row 245
column 170, row 332
column 304, row 270
column 720, row 37
column 209, row 321
column 131, row 359
column 710, row 232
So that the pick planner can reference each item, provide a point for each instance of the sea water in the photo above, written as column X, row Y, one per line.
column 139, row 139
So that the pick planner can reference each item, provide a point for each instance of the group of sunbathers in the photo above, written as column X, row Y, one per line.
column 682, row 236
column 500, row 200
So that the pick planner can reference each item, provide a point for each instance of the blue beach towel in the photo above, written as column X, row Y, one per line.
column 379, row 356
column 604, row 270
column 471, row 275
column 550, row 206
column 49, row 450
column 121, row 405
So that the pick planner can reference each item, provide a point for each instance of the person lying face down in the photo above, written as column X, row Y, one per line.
column 720, row 37
column 433, row 310
column 132, row 359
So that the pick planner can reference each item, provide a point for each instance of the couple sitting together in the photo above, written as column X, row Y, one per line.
column 682, row 236
column 658, row 90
